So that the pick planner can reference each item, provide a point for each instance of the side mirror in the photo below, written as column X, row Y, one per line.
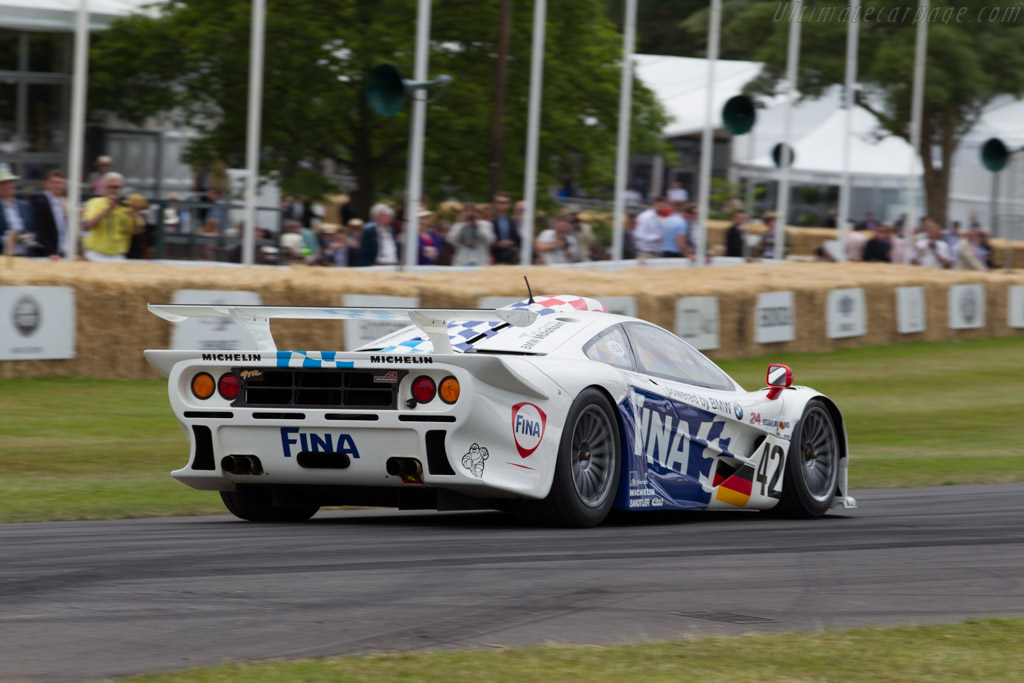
column 779, row 377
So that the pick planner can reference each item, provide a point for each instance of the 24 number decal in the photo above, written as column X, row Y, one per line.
column 770, row 488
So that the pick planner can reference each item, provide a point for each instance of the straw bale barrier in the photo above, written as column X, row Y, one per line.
column 114, row 327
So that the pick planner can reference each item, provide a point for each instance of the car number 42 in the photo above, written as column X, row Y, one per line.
column 771, row 453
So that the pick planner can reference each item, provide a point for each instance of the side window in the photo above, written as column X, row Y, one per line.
column 663, row 354
column 611, row 347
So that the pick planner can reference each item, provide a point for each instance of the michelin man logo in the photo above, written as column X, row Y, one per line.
column 474, row 460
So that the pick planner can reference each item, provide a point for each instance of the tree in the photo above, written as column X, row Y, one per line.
column 193, row 58
column 971, row 61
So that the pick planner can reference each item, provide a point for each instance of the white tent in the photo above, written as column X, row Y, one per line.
column 874, row 160
column 59, row 15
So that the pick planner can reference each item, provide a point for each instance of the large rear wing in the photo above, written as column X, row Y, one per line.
column 256, row 319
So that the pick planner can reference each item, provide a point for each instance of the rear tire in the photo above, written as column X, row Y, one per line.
column 587, row 470
column 257, row 505
column 812, row 466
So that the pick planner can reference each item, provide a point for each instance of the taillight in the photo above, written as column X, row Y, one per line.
column 228, row 386
column 423, row 389
column 449, row 390
column 202, row 385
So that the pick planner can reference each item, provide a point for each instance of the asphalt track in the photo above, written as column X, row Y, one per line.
column 82, row 600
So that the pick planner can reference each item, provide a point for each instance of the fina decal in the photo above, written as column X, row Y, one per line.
column 389, row 377
column 528, row 425
column 251, row 374
column 474, row 460
column 738, row 411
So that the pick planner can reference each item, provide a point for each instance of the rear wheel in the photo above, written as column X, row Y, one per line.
column 587, row 469
column 257, row 505
column 812, row 467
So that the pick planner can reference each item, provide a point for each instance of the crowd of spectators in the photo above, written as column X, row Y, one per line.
column 116, row 227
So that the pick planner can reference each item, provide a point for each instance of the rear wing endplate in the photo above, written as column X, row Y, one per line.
column 256, row 319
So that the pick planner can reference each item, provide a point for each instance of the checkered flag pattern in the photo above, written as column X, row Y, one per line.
column 311, row 359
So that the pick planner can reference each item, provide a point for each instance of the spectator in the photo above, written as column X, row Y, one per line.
column 472, row 239
column 298, row 209
column 49, row 216
column 103, row 165
column 676, row 193
column 673, row 233
column 967, row 257
column 856, row 241
column 932, row 250
column 870, row 222
column 583, row 233
column 628, row 242
column 292, row 243
column 734, row 236
column 16, row 216
column 953, row 236
column 219, row 210
column 830, row 219
column 378, row 245
column 335, row 245
column 430, row 243
column 648, row 230
column 355, row 228
column 142, row 229
column 557, row 245
column 110, row 224
column 507, row 238
column 984, row 247
column 690, row 213
column 633, row 198
column 566, row 188
column 176, row 220
column 880, row 247
column 767, row 245
column 311, row 248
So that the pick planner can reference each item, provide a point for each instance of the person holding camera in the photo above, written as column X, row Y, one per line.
column 472, row 238
column 110, row 224
column 932, row 250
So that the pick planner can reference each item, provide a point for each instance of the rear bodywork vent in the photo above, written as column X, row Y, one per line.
column 437, row 456
column 318, row 388
column 204, row 448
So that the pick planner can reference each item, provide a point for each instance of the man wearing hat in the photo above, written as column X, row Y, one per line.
column 104, row 165
column 110, row 224
column 15, row 216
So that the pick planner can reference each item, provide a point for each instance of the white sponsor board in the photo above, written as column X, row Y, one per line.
column 697, row 321
column 910, row 310
column 966, row 307
column 619, row 305
column 846, row 314
column 1015, row 306
column 774, row 317
column 213, row 334
column 359, row 332
column 37, row 322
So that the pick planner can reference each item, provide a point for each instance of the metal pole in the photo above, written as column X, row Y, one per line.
column 252, row 143
column 916, row 106
column 625, row 114
column 792, row 69
column 79, row 87
column 707, row 138
column 416, row 133
column 852, row 38
column 1012, row 219
column 540, row 11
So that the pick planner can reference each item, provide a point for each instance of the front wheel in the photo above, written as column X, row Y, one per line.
column 812, row 466
column 588, row 466
column 257, row 505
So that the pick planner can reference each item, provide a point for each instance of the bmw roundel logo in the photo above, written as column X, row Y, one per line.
column 738, row 410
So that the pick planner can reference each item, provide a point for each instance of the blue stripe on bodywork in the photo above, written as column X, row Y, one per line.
column 665, row 471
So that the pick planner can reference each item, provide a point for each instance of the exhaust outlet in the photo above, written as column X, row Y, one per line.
column 241, row 464
column 409, row 469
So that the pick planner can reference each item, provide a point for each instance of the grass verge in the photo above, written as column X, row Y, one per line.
column 978, row 650
column 918, row 414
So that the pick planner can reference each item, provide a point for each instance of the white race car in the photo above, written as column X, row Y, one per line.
column 552, row 408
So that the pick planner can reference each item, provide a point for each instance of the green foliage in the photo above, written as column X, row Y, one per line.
column 970, row 62
column 193, row 61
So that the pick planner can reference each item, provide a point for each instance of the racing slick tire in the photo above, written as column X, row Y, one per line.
column 257, row 505
column 812, row 466
column 588, row 467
